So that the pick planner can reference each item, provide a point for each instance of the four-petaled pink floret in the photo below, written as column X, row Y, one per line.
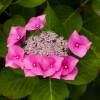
column 78, row 44
column 14, row 57
column 68, row 70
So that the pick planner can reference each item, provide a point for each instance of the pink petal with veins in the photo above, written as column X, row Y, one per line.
column 68, row 66
column 32, row 65
column 14, row 57
column 17, row 34
column 78, row 44
column 35, row 23
column 72, row 75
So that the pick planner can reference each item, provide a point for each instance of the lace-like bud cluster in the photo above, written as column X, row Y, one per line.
column 47, row 43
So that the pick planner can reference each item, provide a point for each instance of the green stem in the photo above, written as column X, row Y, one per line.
column 50, row 83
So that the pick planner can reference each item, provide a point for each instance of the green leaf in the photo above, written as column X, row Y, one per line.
column 53, row 23
column 3, row 98
column 3, row 48
column 4, row 4
column 97, row 81
column 49, row 89
column 63, row 11
column 72, row 22
column 95, row 40
column 23, row 11
column 30, row 3
column 96, row 6
column 93, row 24
column 18, row 71
column 91, row 28
column 15, row 85
column 76, row 91
column 61, row 22
column 70, row 19
column 91, row 21
column 1, row 6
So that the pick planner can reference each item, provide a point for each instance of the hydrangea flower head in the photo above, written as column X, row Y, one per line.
column 44, row 54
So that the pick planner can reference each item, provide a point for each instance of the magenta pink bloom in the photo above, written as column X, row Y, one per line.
column 51, row 64
column 78, row 44
column 36, row 23
column 14, row 57
column 32, row 65
column 68, row 69
column 17, row 34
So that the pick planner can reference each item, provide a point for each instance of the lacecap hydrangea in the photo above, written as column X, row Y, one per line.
column 44, row 54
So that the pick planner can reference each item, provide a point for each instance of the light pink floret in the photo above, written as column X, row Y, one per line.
column 17, row 34
column 68, row 69
column 35, row 23
column 32, row 65
column 14, row 57
column 51, row 65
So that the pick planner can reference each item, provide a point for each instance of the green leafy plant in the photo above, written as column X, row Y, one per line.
column 63, row 17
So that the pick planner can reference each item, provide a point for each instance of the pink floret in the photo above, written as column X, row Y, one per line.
column 78, row 44
column 17, row 34
column 14, row 57
column 68, row 70
column 35, row 23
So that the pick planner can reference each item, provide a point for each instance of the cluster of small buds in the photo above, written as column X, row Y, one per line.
column 47, row 43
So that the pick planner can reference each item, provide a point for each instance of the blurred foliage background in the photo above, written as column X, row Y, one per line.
column 63, row 17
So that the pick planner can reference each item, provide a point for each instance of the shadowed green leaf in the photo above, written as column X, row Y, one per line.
column 76, row 91
column 15, row 85
column 3, row 48
column 95, row 40
column 91, row 21
column 64, row 19
column 53, row 23
column 1, row 6
column 30, row 3
column 96, row 6
column 4, row 4
column 49, row 89
column 70, row 19
column 23, row 11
